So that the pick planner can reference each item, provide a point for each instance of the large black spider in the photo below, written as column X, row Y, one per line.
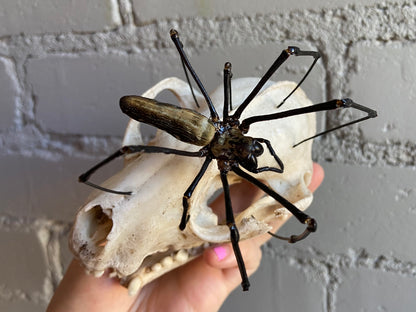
column 223, row 140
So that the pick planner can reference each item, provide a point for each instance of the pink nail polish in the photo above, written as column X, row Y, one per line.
column 221, row 252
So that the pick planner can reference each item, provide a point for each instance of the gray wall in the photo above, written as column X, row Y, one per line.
column 64, row 64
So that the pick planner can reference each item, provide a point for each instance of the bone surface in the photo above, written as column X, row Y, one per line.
column 137, row 236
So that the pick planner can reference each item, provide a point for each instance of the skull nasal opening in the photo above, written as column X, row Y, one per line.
column 99, row 225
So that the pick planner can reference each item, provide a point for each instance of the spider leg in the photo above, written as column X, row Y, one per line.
column 234, row 235
column 131, row 149
column 271, row 150
column 188, row 193
column 277, row 63
column 370, row 114
column 179, row 46
column 227, row 89
column 316, row 55
column 325, row 106
column 189, row 83
column 298, row 214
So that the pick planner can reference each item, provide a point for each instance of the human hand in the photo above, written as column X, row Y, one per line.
column 201, row 285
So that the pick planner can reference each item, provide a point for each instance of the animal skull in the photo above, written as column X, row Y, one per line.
column 137, row 236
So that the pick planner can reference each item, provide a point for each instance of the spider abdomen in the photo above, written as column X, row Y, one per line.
column 184, row 124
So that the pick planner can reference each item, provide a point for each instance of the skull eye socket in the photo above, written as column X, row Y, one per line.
column 243, row 196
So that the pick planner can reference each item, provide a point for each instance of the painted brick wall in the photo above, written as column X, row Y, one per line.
column 63, row 66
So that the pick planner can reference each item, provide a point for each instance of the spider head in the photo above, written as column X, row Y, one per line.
column 254, row 149
column 257, row 148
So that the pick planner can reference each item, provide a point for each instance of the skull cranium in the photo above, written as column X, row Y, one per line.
column 137, row 236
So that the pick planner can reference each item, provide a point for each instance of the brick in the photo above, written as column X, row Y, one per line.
column 8, row 91
column 65, row 253
column 384, row 80
column 247, row 61
column 272, row 289
column 48, row 16
column 157, row 10
column 374, row 290
column 359, row 207
column 80, row 94
column 253, row 61
column 21, row 305
column 37, row 188
column 24, row 267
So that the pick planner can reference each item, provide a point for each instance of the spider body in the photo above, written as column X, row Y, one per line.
column 222, row 140
column 232, row 148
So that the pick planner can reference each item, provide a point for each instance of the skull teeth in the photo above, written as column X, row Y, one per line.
column 167, row 261
column 181, row 256
column 98, row 273
column 157, row 267
column 164, row 265
column 134, row 286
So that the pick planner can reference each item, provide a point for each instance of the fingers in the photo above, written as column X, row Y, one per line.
column 79, row 291
column 317, row 177
column 222, row 258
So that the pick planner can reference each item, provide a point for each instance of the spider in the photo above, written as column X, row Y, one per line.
column 224, row 140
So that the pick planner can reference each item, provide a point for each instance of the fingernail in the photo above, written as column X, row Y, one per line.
column 221, row 252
